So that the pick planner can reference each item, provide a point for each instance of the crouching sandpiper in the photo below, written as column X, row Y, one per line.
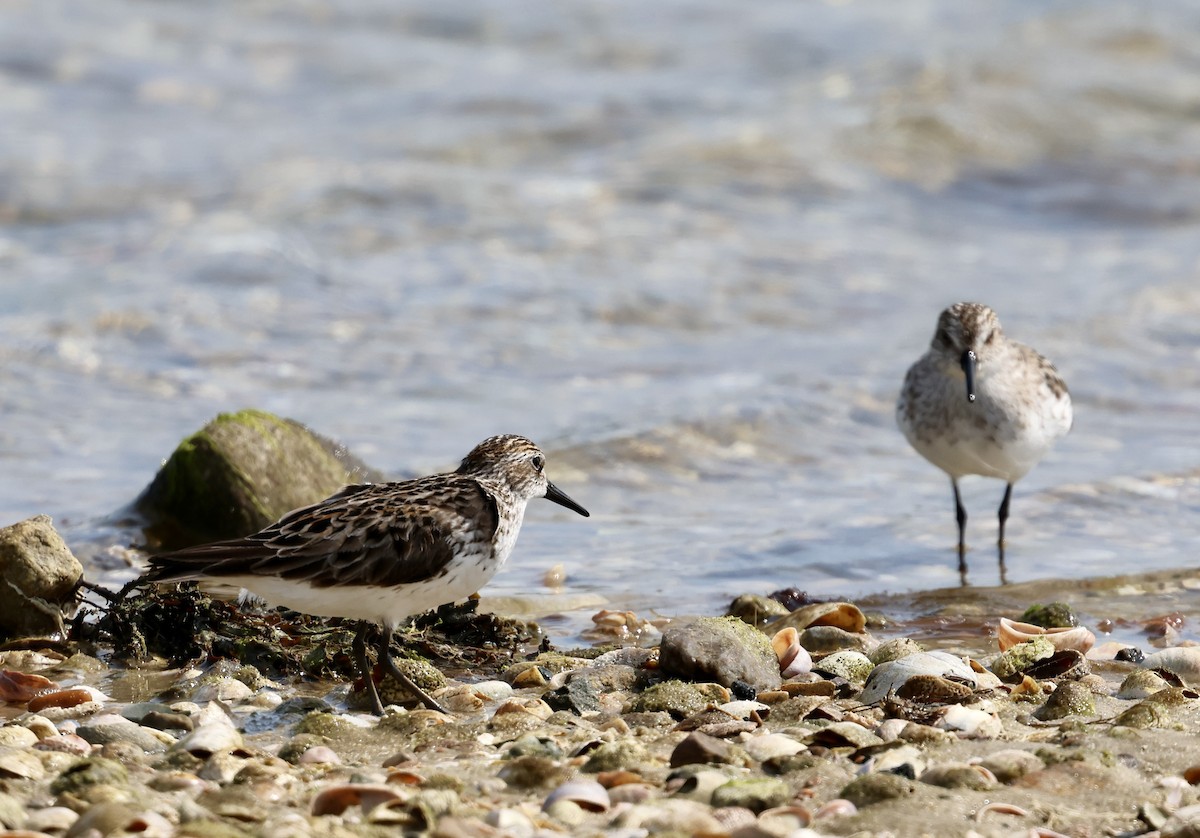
column 380, row 553
column 980, row 403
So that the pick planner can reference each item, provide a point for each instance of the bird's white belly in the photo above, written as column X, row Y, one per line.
column 976, row 453
column 387, row 605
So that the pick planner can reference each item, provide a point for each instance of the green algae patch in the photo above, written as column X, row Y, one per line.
column 239, row 473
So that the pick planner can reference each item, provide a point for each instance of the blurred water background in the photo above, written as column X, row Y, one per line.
column 688, row 247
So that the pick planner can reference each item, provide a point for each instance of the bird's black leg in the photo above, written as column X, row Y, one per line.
column 960, row 514
column 359, row 650
column 389, row 666
column 1003, row 521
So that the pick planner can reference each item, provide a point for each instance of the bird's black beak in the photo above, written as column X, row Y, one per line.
column 968, row 368
column 560, row 497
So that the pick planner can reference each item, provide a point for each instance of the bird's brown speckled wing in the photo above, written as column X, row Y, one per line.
column 372, row 534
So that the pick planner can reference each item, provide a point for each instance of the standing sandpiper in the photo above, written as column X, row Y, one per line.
column 979, row 403
column 380, row 553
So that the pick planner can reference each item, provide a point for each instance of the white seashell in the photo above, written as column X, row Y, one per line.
column 228, row 690
column 836, row 808
column 1175, row 787
column 21, row 763
column 768, row 745
column 52, row 819
column 794, row 659
column 1012, row 632
column 971, row 723
column 890, row 676
column 1183, row 661
column 493, row 690
column 208, row 739
column 743, row 709
column 587, row 794
column 510, row 822
column 210, row 713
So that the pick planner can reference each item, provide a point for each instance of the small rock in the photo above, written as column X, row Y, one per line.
column 720, row 649
column 678, row 817
column 38, row 578
column 699, row 748
column 821, row 640
column 755, row 610
column 1054, row 615
column 623, row 754
column 894, row 649
column 875, row 788
column 1011, row 764
column 148, row 741
column 674, row 697
column 1070, row 698
column 855, row 667
column 1011, row 664
column 89, row 772
column 957, row 777
column 753, row 793
column 532, row 772
column 584, row 687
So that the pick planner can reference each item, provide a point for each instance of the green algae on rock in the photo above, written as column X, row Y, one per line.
column 720, row 649
column 239, row 473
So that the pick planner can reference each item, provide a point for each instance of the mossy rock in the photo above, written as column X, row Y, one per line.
column 239, row 473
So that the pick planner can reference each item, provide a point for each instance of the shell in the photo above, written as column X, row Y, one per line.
column 836, row 808
column 337, row 799
column 768, row 745
column 18, row 687
column 1064, row 664
column 971, row 723
column 532, row 706
column 319, row 755
column 1000, row 809
column 794, row 659
column 890, row 676
column 1012, row 632
column 1183, row 661
column 785, row 820
column 843, row 615
column 20, row 763
column 586, row 794
column 208, row 739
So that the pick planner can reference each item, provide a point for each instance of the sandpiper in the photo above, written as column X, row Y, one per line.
column 980, row 403
column 380, row 553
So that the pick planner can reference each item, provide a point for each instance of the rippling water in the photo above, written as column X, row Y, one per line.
column 689, row 247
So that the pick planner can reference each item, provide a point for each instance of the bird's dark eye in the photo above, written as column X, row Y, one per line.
column 539, row 463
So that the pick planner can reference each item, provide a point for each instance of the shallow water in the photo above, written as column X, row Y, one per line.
column 690, row 248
